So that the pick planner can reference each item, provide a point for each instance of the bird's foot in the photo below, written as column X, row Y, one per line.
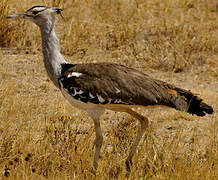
column 93, row 171
column 128, row 165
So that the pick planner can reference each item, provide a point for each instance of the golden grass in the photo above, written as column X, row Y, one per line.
column 168, row 35
column 42, row 136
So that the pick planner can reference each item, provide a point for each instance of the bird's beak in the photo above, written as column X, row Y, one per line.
column 16, row 16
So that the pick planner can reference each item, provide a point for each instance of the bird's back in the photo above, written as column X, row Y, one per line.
column 111, row 83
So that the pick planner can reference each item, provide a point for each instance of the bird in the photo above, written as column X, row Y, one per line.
column 95, row 87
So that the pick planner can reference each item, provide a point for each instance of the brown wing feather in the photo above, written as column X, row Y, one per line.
column 134, row 87
column 105, row 78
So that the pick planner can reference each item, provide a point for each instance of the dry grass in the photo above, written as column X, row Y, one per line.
column 41, row 136
column 168, row 35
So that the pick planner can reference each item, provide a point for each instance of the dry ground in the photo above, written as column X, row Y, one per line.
column 43, row 137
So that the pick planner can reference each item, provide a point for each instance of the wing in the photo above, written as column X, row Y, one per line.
column 108, row 83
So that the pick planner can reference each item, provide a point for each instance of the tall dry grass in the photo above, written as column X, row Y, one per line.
column 168, row 35
column 42, row 137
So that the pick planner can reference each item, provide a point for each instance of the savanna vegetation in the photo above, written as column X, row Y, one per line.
column 43, row 137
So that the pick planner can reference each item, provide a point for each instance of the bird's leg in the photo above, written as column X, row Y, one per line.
column 98, row 142
column 144, row 124
column 95, row 114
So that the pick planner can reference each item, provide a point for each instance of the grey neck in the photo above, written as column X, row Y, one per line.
column 51, row 51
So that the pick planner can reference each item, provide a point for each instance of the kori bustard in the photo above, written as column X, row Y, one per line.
column 95, row 87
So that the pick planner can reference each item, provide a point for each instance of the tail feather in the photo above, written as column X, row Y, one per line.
column 195, row 104
column 181, row 99
column 198, row 107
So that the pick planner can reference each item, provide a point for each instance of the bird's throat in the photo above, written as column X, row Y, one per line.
column 51, row 52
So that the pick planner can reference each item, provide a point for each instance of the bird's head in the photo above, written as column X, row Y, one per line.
column 39, row 14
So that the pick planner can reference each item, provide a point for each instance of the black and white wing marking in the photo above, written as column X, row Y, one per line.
column 109, row 83
column 69, row 81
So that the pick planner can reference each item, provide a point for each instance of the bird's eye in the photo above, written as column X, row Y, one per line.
column 35, row 12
